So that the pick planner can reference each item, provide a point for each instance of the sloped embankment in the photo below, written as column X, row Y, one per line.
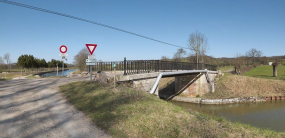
column 242, row 86
column 124, row 112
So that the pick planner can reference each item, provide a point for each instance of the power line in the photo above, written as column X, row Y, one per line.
column 84, row 20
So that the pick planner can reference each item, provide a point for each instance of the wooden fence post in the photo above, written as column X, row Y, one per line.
column 125, row 66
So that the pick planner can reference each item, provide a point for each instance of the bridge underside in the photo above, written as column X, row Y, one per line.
column 187, row 84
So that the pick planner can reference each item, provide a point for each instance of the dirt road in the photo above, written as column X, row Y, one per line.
column 35, row 108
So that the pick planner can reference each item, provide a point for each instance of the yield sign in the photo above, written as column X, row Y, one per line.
column 91, row 48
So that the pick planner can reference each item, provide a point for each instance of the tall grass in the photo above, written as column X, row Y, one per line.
column 232, row 86
column 124, row 112
column 8, row 76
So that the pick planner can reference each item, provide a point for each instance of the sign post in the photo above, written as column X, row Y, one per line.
column 62, row 66
column 63, row 50
column 56, row 69
column 91, row 58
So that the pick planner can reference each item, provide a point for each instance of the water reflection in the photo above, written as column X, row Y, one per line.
column 269, row 115
column 65, row 73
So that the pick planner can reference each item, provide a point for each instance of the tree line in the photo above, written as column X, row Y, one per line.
column 29, row 61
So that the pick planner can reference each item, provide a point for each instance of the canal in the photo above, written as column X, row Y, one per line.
column 267, row 115
column 65, row 73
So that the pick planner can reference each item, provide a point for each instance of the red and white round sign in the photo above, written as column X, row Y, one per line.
column 63, row 49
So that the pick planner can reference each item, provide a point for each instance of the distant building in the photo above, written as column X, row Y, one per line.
column 270, row 63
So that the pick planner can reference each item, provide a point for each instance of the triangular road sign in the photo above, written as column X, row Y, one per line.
column 91, row 48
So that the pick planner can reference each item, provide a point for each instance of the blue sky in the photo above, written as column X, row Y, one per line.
column 231, row 26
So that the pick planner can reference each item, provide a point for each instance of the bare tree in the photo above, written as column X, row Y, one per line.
column 204, row 50
column 1, row 60
column 264, row 60
column 80, row 59
column 164, row 58
column 238, row 62
column 191, row 58
column 198, row 43
column 1, row 64
column 7, row 58
column 180, row 53
column 253, row 54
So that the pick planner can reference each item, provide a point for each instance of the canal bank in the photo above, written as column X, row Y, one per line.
column 258, row 102
column 125, row 112
column 219, row 101
column 265, row 115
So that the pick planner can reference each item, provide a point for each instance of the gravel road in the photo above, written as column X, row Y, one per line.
column 35, row 108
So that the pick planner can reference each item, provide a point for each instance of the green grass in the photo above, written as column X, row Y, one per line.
column 6, row 70
column 283, row 62
column 8, row 76
column 266, row 71
column 226, row 68
column 124, row 112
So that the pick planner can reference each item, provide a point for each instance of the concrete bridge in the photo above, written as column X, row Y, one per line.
column 164, row 78
column 166, row 85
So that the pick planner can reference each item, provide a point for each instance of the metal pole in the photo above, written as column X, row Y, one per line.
column 56, row 69
column 114, row 77
column 62, row 67
column 90, row 67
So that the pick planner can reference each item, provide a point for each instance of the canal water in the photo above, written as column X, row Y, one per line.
column 65, row 73
column 267, row 115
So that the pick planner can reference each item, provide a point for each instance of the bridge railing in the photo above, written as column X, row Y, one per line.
column 148, row 66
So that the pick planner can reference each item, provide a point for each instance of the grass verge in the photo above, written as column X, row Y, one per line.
column 233, row 86
column 32, row 77
column 124, row 112
column 8, row 76
column 266, row 71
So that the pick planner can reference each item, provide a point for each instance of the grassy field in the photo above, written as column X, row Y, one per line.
column 8, row 76
column 232, row 86
column 124, row 112
column 266, row 71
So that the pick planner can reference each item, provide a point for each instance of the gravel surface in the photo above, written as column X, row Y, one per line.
column 35, row 108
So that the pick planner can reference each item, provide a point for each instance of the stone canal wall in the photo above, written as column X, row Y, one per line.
column 219, row 101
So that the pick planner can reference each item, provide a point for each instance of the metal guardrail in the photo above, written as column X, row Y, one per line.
column 147, row 66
